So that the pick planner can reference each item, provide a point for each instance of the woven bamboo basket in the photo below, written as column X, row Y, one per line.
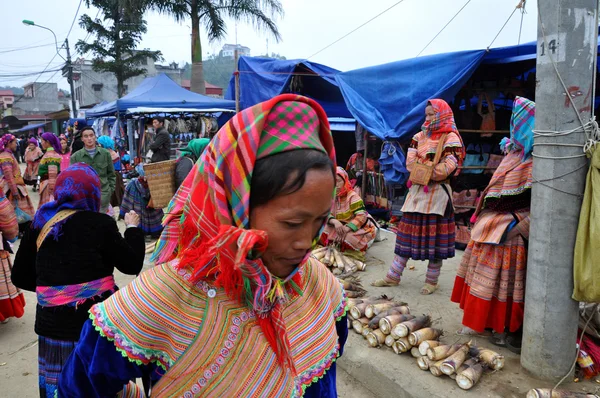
column 161, row 181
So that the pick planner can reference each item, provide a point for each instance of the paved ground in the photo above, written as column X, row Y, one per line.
column 362, row 372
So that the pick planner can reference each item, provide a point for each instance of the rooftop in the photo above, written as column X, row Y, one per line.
column 7, row 93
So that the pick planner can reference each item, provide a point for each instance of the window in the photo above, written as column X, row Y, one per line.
column 97, row 87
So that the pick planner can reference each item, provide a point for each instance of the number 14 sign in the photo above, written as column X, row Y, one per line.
column 553, row 46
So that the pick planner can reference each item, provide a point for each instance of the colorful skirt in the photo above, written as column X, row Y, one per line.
column 52, row 355
column 22, row 201
column 45, row 195
column 136, row 198
column 490, row 285
column 425, row 236
column 31, row 173
column 12, row 301
column 358, row 241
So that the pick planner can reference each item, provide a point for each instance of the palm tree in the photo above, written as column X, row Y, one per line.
column 211, row 14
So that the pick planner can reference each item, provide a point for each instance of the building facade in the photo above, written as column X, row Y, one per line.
column 228, row 50
column 38, row 98
column 93, row 87
column 7, row 97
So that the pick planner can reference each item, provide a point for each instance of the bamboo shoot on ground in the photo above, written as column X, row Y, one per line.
column 389, row 322
column 358, row 311
column 365, row 332
column 359, row 324
column 403, row 344
column 396, row 348
column 424, row 346
column 423, row 363
column 405, row 328
column 467, row 364
column 375, row 309
column 491, row 358
column 551, row 393
column 376, row 338
column 442, row 352
column 434, row 368
column 453, row 362
column 421, row 335
column 352, row 293
column 392, row 311
column 415, row 352
column 469, row 377
column 389, row 340
column 337, row 262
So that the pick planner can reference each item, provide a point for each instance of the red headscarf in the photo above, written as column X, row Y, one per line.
column 443, row 123
column 347, row 187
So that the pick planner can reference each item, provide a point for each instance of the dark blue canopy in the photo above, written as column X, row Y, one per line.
column 160, row 92
column 264, row 78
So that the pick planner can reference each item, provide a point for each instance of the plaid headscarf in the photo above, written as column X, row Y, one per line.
column 521, row 127
column 209, row 217
column 77, row 188
column 443, row 121
column 340, row 172
column 4, row 141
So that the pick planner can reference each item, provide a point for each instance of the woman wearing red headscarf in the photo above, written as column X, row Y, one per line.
column 427, row 230
column 349, row 223
column 239, row 309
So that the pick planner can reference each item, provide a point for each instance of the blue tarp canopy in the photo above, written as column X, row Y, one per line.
column 264, row 78
column 160, row 92
column 30, row 127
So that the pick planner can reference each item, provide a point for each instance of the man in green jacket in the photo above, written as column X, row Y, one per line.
column 100, row 159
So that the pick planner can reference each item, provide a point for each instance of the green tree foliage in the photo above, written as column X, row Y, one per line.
column 116, row 39
column 211, row 15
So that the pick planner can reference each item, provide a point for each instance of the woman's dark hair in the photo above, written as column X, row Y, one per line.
column 159, row 119
column 285, row 173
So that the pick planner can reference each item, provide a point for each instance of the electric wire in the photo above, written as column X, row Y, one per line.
column 445, row 26
column 355, row 29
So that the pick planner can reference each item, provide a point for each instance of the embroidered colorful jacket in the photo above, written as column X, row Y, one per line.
column 203, row 344
column 422, row 149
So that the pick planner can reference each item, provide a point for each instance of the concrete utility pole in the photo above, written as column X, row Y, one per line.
column 567, row 36
column 70, row 78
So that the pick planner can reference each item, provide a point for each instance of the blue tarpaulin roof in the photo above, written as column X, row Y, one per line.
column 160, row 92
column 30, row 127
column 264, row 78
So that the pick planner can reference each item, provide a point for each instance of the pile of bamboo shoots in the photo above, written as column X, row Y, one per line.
column 385, row 322
column 337, row 261
column 464, row 363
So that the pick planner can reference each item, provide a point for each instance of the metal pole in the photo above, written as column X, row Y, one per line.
column 364, row 176
column 237, row 80
column 70, row 78
column 567, row 44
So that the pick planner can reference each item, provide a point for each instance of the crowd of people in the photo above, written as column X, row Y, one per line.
column 235, row 305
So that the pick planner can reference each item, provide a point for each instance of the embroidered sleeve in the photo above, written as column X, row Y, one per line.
column 411, row 156
column 7, row 170
column 360, row 213
column 53, row 170
column 444, row 168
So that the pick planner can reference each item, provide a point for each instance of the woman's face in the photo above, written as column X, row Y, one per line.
column 31, row 146
column 45, row 144
column 293, row 221
column 13, row 145
column 339, row 183
column 63, row 144
column 429, row 113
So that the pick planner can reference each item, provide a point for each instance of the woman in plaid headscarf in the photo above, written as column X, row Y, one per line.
column 490, row 282
column 426, row 230
column 272, row 320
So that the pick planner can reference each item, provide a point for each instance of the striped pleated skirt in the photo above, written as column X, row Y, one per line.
column 425, row 236
column 52, row 355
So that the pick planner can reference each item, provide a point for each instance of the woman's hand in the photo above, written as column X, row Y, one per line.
column 513, row 233
column 132, row 218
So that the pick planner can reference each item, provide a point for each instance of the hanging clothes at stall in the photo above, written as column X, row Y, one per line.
column 586, row 272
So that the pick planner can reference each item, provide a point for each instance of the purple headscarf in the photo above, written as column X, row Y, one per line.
column 4, row 141
column 53, row 140
column 34, row 141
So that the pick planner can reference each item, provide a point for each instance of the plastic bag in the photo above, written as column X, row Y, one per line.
column 22, row 217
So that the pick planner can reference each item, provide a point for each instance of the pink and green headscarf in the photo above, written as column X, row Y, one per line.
column 208, row 221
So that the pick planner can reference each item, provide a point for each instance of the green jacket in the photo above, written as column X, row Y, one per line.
column 102, row 163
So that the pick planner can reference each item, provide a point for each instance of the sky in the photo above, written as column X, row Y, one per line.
column 306, row 27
